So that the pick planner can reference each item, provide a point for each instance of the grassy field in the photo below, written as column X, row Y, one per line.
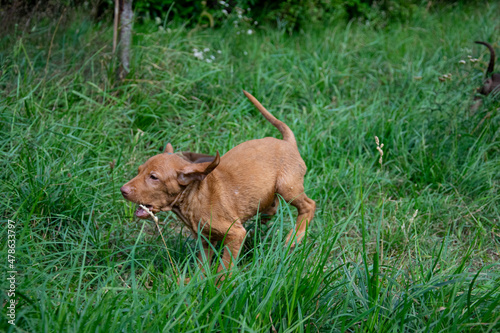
column 406, row 243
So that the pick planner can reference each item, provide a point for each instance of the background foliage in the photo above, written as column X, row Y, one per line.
column 290, row 13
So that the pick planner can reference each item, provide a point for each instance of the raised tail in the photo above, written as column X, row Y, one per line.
column 281, row 126
column 491, row 65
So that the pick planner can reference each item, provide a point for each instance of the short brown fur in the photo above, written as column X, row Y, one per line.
column 219, row 194
column 491, row 83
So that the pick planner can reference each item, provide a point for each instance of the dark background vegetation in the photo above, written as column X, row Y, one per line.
column 293, row 13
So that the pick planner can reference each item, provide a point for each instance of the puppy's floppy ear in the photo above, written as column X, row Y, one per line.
column 169, row 149
column 197, row 171
column 196, row 157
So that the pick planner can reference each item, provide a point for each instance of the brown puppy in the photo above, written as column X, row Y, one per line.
column 217, row 196
column 492, row 81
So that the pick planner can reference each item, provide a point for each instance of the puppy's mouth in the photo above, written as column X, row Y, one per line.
column 142, row 213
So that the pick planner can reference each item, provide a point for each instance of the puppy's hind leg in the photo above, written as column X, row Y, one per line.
column 305, row 208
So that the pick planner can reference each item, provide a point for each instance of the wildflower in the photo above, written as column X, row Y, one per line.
column 413, row 217
column 219, row 51
column 212, row 57
column 206, row 49
column 245, row 52
column 157, row 20
column 445, row 77
column 225, row 12
column 474, row 60
column 208, row 60
column 462, row 62
column 198, row 54
column 255, row 22
column 379, row 148
column 250, row 31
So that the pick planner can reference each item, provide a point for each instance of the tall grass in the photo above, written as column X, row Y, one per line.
column 409, row 244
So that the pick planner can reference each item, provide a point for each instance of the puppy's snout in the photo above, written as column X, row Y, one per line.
column 125, row 190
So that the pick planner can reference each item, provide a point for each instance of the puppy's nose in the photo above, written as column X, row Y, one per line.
column 125, row 191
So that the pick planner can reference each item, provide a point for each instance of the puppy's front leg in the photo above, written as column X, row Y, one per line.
column 232, row 245
column 206, row 254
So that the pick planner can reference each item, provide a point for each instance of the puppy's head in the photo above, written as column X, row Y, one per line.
column 162, row 178
column 491, row 85
column 486, row 88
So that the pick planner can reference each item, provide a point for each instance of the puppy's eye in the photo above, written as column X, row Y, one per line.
column 153, row 177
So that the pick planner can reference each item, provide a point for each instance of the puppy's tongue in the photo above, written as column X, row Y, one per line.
column 141, row 213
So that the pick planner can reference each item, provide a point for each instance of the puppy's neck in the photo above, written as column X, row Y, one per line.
column 197, row 195
column 195, row 202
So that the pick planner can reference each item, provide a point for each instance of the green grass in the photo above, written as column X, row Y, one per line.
column 412, row 244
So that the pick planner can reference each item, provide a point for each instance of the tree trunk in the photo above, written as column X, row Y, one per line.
column 125, row 22
column 116, row 24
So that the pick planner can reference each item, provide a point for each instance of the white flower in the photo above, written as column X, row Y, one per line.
column 225, row 12
column 245, row 52
column 237, row 32
column 208, row 60
column 212, row 57
column 461, row 62
column 250, row 31
column 158, row 20
column 197, row 54
column 206, row 49
column 219, row 51
column 255, row 22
